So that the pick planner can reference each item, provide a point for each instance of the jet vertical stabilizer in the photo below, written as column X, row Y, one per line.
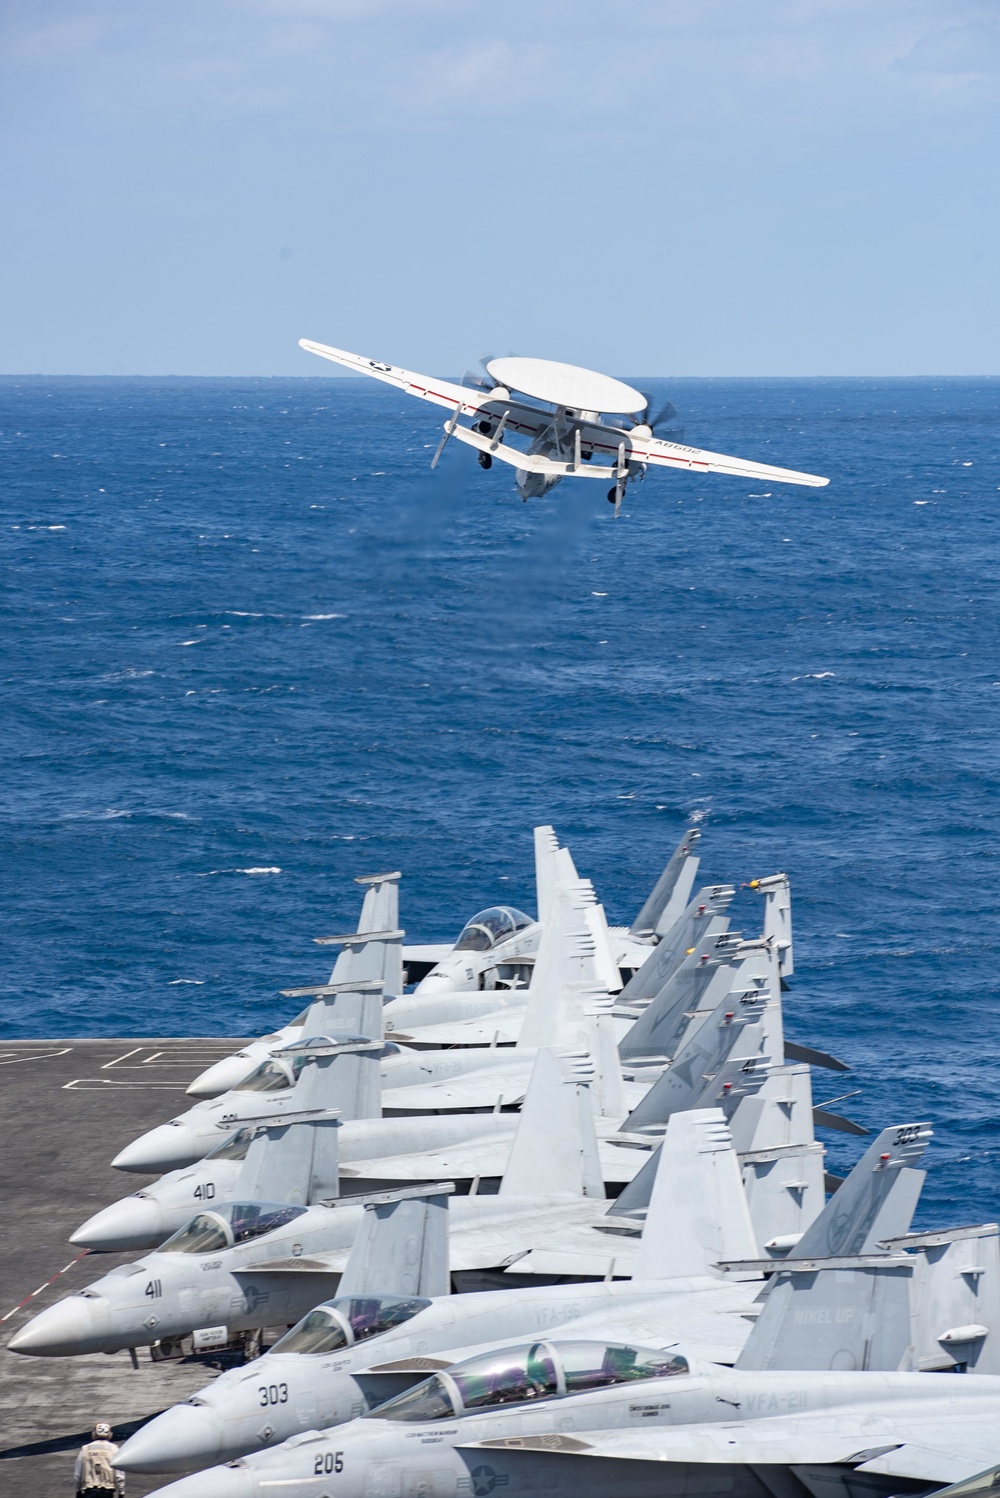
column 779, row 1114
column 291, row 1160
column 554, row 1152
column 354, row 1006
column 698, row 1211
column 704, row 917
column 876, row 1201
column 670, row 894
column 552, row 864
column 777, row 892
column 346, row 1072
column 566, row 955
column 839, row 1314
column 401, row 1247
column 956, row 1298
column 734, row 1027
column 706, row 975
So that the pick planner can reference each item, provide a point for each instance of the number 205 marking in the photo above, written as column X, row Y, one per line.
column 329, row 1461
column 273, row 1394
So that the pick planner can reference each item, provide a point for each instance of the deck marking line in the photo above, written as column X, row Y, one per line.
column 48, row 1282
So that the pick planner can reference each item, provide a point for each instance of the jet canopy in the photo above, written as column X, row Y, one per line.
column 274, row 1075
column 225, row 1226
column 349, row 1319
column 491, row 926
column 540, row 1370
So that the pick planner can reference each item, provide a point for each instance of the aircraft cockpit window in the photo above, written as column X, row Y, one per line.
column 236, row 1223
column 233, row 1149
column 507, row 1377
column 269, row 1077
column 514, row 1375
column 321, row 1331
column 368, row 1315
column 431, row 1400
column 253, row 1219
column 204, row 1234
column 482, row 933
column 510, row 1376
column 349, row 1319
column 588, row 1365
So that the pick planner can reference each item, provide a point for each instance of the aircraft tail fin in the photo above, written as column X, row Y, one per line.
column 704, row 916
column 291, row 1160
column 704, row 977
column 566, row 956
column 354, row 1006
column 778, row 1114
column 876, row 1201
column 777, row 892
column 342, row 1071
column 670, row 894
column 552, row 863
column 733, row 1028
column 554, row 1152
column 379, row 913
column 698, row 1210
column 956, row 1298
column 401, row 1247
column 784, row 1190
column 834, row 1314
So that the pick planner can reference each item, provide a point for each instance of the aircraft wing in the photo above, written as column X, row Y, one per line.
column 459, row 399
column 943, row 1448
column 662, row 454
column 500, row 1027
column 480, row 1089
column 480, row 1157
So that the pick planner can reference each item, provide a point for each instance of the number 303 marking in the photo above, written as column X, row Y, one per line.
column 329, row 1461
column 273, row 1394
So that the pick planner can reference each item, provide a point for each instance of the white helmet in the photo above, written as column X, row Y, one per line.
column 102, row 1431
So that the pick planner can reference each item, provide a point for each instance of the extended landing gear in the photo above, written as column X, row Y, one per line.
column 485, row 461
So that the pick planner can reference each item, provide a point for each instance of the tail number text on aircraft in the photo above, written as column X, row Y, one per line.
column 154, row 1289
column 273, row 1394
column 328, row 1461
column 204, row 1192
column 907, row 1135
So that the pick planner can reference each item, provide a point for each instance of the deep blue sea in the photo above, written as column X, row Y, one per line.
column 253, row 647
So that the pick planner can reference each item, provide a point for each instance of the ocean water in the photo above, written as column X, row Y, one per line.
column 253, row 648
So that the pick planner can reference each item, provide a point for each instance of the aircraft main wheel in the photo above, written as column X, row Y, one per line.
column 612, row 495
column 485, row 461
column 484, row 428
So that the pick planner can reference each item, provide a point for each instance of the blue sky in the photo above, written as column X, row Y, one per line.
column 687, row 187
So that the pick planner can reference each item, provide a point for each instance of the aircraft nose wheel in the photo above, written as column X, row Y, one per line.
column 485, row 461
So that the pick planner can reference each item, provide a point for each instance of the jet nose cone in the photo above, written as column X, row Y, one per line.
column 134, row 1223
column 215, row 1482
column 182, row 1439
column 167, row 1147
column 223, row 1076
column 76, row 1324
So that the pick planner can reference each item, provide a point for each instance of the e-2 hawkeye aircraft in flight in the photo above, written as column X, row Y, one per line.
column 561, row 410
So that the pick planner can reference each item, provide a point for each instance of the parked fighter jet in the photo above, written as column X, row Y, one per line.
column 258, row 1251
column 535, row 1416
column 558, row 408
column 698, row 1216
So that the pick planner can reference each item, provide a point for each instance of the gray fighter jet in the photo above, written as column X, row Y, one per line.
column 535, row 1416
column 212, row 1271
column 675, row 1292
